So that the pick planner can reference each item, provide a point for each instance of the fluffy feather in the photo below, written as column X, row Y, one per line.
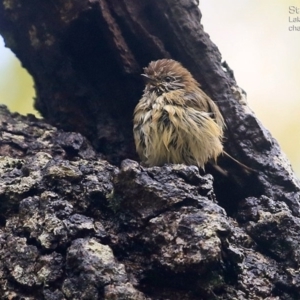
column 175, row 121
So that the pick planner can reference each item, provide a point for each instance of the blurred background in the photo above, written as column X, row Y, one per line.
column 16, row 85
column 253, row 37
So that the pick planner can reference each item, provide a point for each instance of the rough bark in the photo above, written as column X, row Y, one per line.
column 74, row 226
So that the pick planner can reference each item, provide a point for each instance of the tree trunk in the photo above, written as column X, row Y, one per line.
column 76, row 223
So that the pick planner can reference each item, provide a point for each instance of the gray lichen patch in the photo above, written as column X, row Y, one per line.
column 7, row 164
column 187, row 239
column 19, row 177
column 27, row 266
column 93, row 266
column 58, row 170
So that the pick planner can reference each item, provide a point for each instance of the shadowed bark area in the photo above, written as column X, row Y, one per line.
column 75, row 224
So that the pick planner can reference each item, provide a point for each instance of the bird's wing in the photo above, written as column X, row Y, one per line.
column 199, row 100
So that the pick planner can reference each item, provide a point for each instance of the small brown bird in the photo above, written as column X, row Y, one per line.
column 175, row 121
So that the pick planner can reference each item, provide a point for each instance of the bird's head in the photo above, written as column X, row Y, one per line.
column 167, row 75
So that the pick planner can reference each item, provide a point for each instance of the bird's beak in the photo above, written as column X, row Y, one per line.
column 146, row 76
column 148, row 79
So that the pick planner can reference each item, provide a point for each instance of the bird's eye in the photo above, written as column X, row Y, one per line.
column 168, row 79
